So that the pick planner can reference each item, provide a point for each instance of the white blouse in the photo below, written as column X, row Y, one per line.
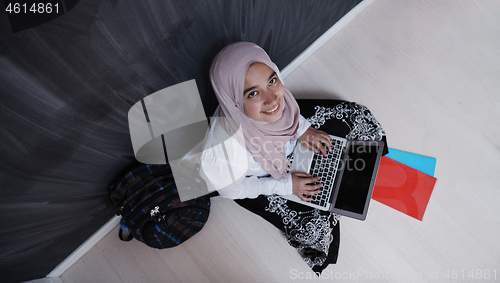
column 228, row 167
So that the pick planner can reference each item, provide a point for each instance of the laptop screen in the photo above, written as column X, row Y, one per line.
column 357, row 176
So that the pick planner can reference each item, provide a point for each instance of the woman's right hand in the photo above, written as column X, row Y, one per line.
column 302, row 185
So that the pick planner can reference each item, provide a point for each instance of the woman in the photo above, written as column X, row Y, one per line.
column 248, row 148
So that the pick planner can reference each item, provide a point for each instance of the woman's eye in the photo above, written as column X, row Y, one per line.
column 252, row 94
column 272, row 81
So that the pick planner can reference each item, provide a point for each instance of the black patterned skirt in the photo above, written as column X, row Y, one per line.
column 316, row 233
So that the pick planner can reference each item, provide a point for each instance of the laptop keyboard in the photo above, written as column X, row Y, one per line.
column 326, row 168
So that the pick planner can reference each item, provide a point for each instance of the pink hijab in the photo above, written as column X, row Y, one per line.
column 264, row 140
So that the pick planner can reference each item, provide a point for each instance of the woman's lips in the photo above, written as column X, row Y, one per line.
column 273, row 111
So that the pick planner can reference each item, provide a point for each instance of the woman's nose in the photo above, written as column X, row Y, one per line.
column 270, row 97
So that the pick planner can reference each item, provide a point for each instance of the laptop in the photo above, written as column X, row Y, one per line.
column 348, row 175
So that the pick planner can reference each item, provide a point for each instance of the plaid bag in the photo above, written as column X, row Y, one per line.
column 147, row 199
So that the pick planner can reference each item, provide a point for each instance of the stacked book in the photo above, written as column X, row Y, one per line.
column 405, row 182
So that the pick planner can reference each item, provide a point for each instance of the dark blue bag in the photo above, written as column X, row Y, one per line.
column 147, row 199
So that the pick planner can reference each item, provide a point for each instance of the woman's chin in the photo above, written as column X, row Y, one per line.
column 274, row 118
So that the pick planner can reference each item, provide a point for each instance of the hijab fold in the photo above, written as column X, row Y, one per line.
column 264, row 140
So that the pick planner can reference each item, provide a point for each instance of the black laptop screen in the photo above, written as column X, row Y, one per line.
column 357, row 176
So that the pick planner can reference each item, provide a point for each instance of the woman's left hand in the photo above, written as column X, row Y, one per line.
column 313, row 138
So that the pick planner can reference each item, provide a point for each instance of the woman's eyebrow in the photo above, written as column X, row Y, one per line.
column 250, row 88
column 272, row 75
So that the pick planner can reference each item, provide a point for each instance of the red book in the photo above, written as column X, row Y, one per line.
column 403, row 188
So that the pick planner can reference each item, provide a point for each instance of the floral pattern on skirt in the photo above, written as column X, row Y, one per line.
column 316, row 233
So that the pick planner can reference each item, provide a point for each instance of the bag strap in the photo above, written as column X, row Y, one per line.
column 133, row 195
column 213, row 194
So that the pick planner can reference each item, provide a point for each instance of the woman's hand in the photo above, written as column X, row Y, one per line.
column 301, row 185
column 313, row 138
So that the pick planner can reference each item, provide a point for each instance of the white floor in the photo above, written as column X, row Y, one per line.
column 430, row 72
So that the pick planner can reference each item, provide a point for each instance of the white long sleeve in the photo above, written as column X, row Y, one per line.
column 253, row 186
column 235, row 174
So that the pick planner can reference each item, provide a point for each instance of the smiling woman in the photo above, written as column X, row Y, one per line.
column 250, row 92
column 268, row 121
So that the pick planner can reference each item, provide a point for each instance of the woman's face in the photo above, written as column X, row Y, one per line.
column 263, row 94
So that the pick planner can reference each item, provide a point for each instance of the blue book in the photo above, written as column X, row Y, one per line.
column 424, row 164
